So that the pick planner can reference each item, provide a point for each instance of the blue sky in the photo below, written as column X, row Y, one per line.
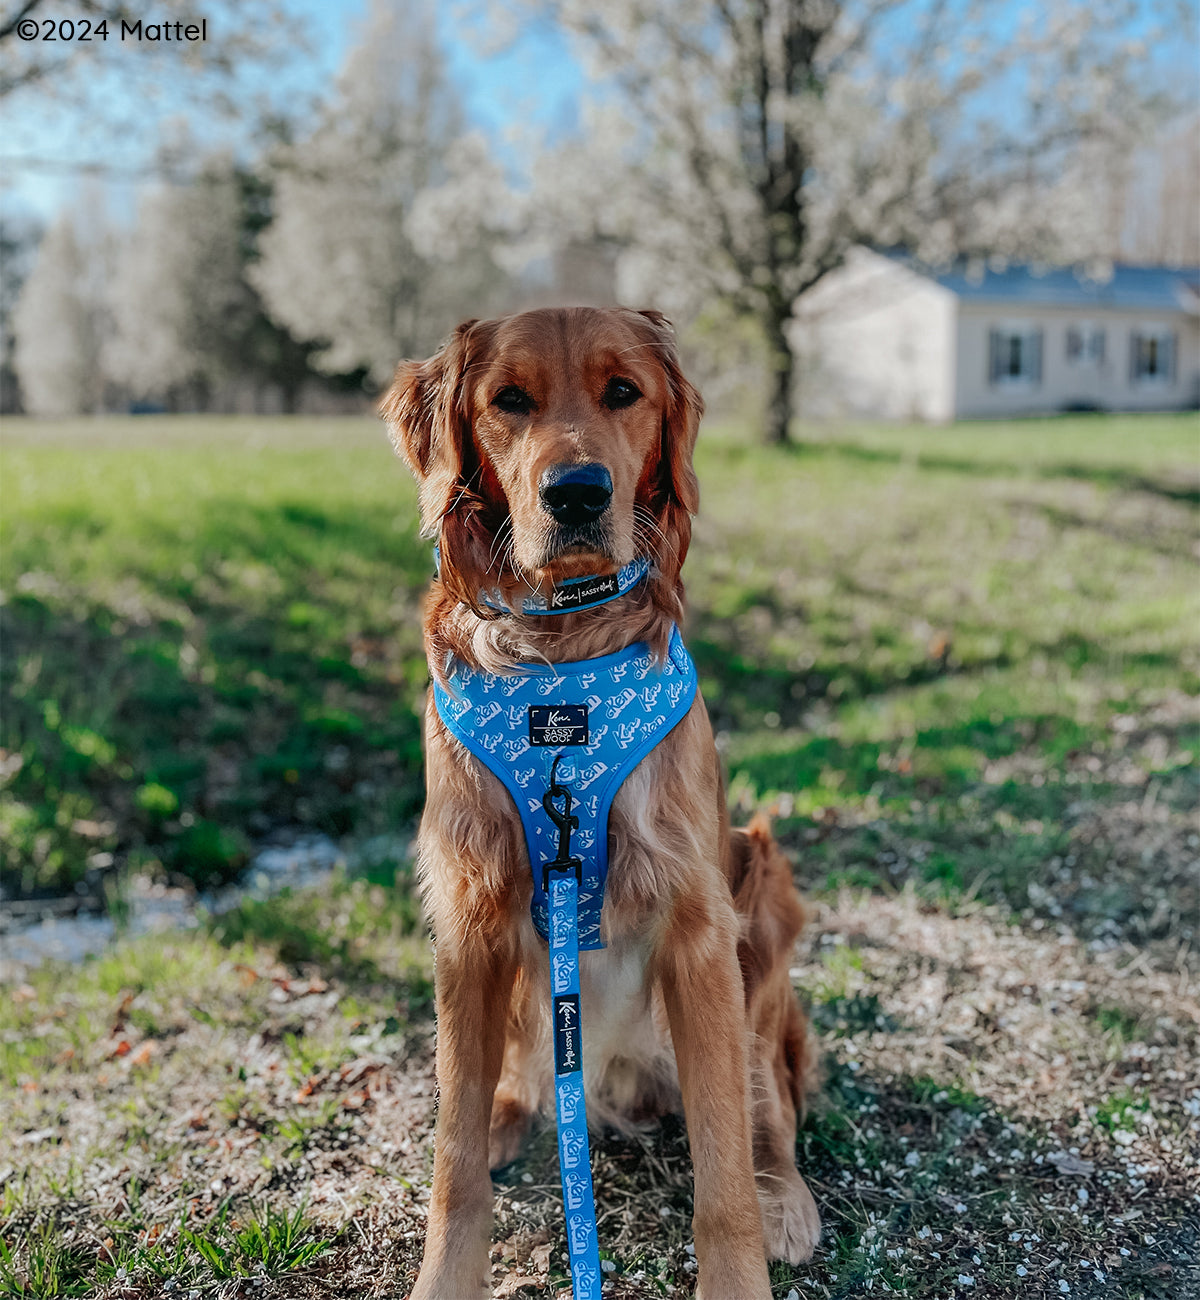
column 534, row 80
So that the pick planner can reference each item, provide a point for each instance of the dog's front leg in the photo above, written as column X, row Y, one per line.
column 702, row 989
column 474, row 985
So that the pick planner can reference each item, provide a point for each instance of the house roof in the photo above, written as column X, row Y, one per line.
column 1139, row 288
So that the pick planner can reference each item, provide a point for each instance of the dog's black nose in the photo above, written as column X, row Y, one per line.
column 576, row 494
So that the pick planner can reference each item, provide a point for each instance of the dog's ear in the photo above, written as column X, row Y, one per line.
column 429, row 425
column 675, row 489
column 681, row 421
column 428, row 414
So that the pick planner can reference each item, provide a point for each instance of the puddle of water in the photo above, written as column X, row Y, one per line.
column 296, row 866
column 306, row 861
column 58, row 938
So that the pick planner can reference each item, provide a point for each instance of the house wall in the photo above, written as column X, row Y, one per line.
column 877, row 341
column 1108, row 385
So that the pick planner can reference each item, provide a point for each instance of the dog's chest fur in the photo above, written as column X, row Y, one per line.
column 629, row 1061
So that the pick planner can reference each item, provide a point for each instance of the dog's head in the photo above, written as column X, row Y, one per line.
column 550, row 445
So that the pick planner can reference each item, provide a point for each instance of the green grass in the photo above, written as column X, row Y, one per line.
column 266, row 1244
column 945, row 631
column 151, row 987
column 956, row 663
column 211, row 626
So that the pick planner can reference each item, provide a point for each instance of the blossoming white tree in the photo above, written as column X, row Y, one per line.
column 740, row 148
column 179, row 302
column 355, row 260
column 60, row 320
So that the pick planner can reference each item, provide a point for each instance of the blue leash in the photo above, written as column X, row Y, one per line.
column 561, row 876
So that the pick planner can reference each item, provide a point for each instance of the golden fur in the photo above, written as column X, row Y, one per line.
column 690, row 1000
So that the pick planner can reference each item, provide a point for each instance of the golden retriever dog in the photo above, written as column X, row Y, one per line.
column 689, row 1001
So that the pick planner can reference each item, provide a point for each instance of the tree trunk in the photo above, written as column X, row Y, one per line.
column 781, row 374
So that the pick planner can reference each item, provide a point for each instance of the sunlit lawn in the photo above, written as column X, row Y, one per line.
column 960, row 665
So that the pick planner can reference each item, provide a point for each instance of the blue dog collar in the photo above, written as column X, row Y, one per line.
column 567, row 596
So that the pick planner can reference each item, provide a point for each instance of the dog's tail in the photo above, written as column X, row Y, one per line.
column 772, row 915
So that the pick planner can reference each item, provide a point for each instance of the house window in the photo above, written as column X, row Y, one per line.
column 1152, row 355
column 1014, row 354
column 1085, row 344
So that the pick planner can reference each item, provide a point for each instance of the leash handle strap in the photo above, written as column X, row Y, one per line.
column 574, row 1155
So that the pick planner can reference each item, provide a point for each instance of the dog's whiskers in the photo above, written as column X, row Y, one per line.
column 647, row 529
column 504, row 534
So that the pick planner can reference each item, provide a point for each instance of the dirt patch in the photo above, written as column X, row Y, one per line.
column 1017, row 1099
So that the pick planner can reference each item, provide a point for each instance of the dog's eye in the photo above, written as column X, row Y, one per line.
column 513, row 401
column 620, row 393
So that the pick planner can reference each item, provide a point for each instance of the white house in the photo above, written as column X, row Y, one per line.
column 885, row 338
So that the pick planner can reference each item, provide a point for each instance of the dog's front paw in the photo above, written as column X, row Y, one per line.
column 437, row 1288
column 791, row 1224
column 510, row 1126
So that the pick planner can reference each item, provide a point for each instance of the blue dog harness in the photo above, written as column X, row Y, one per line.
column 594, row 721
column 563, row 738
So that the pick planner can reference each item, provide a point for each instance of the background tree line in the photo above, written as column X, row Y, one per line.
column 727, row 157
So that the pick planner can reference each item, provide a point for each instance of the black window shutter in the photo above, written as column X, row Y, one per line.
column 994, row 361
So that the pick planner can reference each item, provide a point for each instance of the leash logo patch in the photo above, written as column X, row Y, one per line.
column 558, row 724
column 567, row 1057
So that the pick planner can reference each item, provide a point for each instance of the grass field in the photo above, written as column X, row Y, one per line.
column 961, row 668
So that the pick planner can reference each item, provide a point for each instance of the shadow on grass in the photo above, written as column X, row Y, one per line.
column 751, row 684
column 1071, row 520
column 929, row 760
column 920, row 1183
column 252, row 670
column 354, row 931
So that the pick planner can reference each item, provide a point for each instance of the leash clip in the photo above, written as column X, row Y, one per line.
column 566, row 823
